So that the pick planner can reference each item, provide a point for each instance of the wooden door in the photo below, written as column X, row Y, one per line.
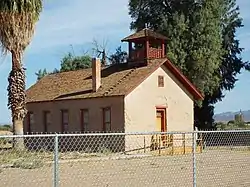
column 158, row 121
column 161, row 120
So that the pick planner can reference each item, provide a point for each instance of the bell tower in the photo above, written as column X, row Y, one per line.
column 145, row 45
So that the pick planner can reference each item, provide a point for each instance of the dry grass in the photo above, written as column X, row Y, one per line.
column 24, row 159
column 5, row 132
column 5, row 142
column 36, row 159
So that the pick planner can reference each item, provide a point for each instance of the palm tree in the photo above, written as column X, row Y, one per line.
column 17, row 25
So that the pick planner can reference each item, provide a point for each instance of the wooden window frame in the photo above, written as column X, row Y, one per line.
column 62, row 122
column 160, row 81
column 45, row 120
column 28, row 121
column 83, row 126
column 104, row 119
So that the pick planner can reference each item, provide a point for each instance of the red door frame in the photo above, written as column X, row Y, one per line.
column 163, row 110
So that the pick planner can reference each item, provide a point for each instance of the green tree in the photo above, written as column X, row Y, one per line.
column 101, row 50
column 241, row 124
column 68, row 63
column 221, row 125
column 41, row 73
column 71, row 62
column 17, row 25
column 202, row 43
column 119, row 56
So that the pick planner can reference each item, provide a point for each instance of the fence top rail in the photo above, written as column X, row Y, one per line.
column 223, row 131
column 92, row 134
column 120, row 133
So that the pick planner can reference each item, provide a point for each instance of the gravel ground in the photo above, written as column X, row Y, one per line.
column 214, row 168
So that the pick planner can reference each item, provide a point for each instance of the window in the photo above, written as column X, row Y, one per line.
column 31, row 122
column 65, row 120
column 84, row 119
column 160, row 81
column 106, row 112
column 46, row 120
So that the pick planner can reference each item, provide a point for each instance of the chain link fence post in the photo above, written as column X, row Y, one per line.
column 56, row 168
column 194, row 158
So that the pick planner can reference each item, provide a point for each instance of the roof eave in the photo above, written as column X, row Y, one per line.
column 198, row 96
column 189, row 86
column 132, row 39
column 139, row 82
column 70, row 99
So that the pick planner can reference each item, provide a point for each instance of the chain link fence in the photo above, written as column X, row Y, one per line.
column 203, row 158
column 225, row 159
column 30, row 166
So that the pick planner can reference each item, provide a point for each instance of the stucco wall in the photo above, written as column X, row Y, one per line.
column 79, row 143
column 140, row 105
column 95, row 114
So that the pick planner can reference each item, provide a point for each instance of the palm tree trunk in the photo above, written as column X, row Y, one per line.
column 16, row 97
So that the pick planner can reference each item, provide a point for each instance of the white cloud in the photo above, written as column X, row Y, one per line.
column 78, row 22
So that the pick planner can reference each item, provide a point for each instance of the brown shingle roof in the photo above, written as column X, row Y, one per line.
column 144, row 33
column 116, row 80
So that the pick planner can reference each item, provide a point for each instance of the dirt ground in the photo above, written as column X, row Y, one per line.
column 214, row 168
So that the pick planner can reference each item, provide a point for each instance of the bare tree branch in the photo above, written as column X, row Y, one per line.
column 101, row 50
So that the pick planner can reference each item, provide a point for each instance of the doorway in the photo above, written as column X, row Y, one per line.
column 161, row 120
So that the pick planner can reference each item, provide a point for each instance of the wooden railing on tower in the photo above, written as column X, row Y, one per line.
column 139, row 54
column 155, row 53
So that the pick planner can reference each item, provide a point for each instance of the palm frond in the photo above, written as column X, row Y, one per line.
column 17, row 23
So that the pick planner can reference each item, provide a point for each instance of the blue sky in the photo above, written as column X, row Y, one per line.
column 72, row 25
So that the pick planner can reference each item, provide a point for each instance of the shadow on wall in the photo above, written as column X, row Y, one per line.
column 86, row 144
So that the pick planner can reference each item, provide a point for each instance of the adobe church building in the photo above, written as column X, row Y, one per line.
column 147, row 93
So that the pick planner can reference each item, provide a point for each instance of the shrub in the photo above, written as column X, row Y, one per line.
column 104, row 150
column 6, row 128
column 26, row 163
